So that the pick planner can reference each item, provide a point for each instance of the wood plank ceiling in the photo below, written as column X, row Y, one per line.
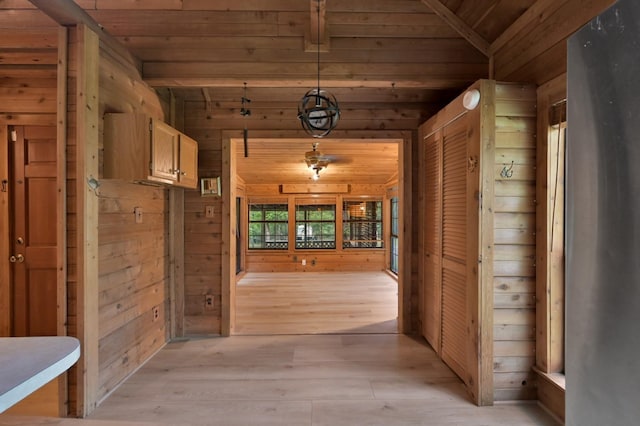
column 390, row 63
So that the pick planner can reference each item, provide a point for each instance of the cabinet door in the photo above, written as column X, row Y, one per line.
column 188, row 162
column 454, row 339
column 164, row 152
column 432, row 266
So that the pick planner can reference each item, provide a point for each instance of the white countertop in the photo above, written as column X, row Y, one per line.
column 27, row 363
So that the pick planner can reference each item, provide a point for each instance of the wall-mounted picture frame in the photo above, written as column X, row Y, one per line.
column 210, row 187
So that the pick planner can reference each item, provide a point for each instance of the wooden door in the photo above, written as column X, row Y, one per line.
column 432, row 165
column 33, row 231
column 188, row 162
column 454, row 246
column 164, row 151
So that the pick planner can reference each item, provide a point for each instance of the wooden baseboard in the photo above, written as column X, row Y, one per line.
column 551, row 393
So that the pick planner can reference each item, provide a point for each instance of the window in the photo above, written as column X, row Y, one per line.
column 268, row 226
column 316, row 226
column 393, row 258
column 362, row 224
column 555, row 229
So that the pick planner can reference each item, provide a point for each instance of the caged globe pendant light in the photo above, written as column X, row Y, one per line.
column 318, row 110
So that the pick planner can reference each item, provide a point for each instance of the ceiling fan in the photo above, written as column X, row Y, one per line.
column 316, row 161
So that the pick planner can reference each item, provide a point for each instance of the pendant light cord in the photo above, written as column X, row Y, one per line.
column 318, row 48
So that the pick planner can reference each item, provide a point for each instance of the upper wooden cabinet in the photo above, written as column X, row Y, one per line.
column 188, row 161
column 140, row 148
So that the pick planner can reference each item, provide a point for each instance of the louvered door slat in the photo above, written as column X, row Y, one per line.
column 432, row 163
column 454, row 247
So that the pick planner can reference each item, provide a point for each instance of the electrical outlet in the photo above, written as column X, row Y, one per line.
column 156, row 313
column 209, row 211
column 304, row 262
column 208, row 301
column 313, row 262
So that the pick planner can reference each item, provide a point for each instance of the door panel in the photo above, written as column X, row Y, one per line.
column 188, row 162
column 454, row 246
column 164, row 151
column 432, row 164
column 34, row 231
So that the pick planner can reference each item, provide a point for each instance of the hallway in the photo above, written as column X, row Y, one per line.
column 385, row 379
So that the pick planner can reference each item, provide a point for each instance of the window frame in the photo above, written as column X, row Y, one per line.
column 550, row 250
column 307, row 223
column 264, row 223
column 394, row 234
column 349, row 223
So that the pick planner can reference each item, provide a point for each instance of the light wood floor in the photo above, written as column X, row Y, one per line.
column 318, row 380
column 316, row 303
column 302, row 379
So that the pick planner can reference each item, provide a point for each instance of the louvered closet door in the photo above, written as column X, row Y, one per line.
column 454, row 246
column 432, row 298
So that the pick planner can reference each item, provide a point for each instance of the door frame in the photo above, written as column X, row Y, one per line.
column 5, row 227
column 5, row 274
column 230, row 192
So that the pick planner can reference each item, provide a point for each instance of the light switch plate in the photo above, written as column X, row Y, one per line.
column 209, row 211
column 137, row 211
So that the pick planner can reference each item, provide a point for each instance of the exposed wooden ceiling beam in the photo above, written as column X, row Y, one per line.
column 68, row 13
column 425, row 83
column 207, row 98
column 317, row 38
column 459, row 25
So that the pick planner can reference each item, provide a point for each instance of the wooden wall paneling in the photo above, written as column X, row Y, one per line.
column 134, row 259
column 74, row 375
column 203, row 236
column 176, row 237
column 114, row 368
column 317, row 261
column 134, row 269
column 124, row 91
column 61, row 183
column 86, row 138
column 176, row 256
column 512, row 173
column 61, row 203
column 481, row 296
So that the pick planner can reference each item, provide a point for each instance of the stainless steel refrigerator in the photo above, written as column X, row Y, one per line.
column 602, row 362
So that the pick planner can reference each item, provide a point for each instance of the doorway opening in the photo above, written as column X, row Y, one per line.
column 291, row 282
